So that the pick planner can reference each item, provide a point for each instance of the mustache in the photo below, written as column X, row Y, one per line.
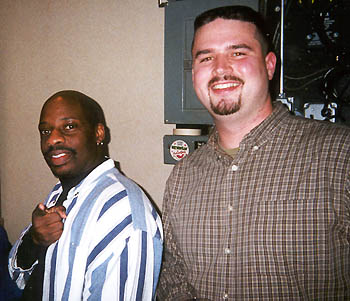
column 58, row 148
column 225, row 77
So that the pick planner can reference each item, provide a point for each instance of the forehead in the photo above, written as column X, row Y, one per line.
column 61, row 108
column 222, row 31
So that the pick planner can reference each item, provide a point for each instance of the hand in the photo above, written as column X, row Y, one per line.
column 47, row 224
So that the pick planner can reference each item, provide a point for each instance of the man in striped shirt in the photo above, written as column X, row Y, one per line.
column 262, row 211
column 97, row 236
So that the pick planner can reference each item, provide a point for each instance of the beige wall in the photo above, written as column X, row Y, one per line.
column 111, row 50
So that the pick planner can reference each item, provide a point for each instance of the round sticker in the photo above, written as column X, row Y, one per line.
column 179, row 149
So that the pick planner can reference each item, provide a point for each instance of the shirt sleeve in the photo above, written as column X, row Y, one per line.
column 173, row 284
column 20, row 274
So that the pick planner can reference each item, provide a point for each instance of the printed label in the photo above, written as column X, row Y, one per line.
column 179, row 149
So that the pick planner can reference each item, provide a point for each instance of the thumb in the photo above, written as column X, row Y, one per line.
column 40, row 210
column 42, row 207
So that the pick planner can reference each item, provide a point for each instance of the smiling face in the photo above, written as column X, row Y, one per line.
column 230, row 72
column 68, row 141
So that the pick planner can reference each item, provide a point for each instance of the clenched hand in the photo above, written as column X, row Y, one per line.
column 47, row 224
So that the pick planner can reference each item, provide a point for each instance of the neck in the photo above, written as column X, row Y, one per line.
column 69, row 182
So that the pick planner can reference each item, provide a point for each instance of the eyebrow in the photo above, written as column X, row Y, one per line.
column 230, row 47
column 64, row 119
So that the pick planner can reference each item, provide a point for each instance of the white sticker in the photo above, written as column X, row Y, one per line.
column 179, row 149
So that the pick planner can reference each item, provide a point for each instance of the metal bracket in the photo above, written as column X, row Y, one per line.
column 287, row 101
column 320, row 111
column 162, row 3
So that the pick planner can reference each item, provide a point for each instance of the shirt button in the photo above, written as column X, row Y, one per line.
column 255, row 148
column 230, row 208
column 227, row 251
column 225, row 296
column 234, row 167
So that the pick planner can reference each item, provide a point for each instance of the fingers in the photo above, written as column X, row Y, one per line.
column 42, row 210
column 48, row 236
column 45, row 235
column 60, row 210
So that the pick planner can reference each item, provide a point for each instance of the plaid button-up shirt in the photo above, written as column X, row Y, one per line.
column 272, row 223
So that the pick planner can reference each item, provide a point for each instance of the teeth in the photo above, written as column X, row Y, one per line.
column 58, row 156
column 224, row 86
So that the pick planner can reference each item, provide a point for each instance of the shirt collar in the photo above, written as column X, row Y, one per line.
column 93, row 176
column 259, row 134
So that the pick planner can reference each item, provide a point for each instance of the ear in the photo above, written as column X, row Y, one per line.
column 270, row 62
column 100, row 133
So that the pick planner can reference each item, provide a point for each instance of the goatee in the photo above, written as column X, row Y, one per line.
column 226, row 106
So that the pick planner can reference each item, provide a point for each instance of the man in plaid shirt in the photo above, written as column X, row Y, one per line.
column 262, row 211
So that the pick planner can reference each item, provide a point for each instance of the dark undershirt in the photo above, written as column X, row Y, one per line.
column 28, row 252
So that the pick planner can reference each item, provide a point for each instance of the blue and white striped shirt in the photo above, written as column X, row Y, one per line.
column 111, row 246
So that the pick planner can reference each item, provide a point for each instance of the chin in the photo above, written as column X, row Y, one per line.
column 61, row 174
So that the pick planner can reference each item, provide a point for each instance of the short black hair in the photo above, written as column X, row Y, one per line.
column 240, row 13
column 92, row 110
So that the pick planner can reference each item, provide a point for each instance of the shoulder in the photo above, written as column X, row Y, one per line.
column 188, row 173
column 197, row 159
column 200, row 161
column 143, row 213
column 324, row 143
column 112, row 199
column 317, row 131
column 287, row 125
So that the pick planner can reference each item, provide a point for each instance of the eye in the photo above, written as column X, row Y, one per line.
column 237, row 53
column 69, row 126
column 206, row 59
column 45, row 132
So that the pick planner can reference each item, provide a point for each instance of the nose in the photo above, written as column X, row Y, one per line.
column 55, row 137
column 222, row 65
